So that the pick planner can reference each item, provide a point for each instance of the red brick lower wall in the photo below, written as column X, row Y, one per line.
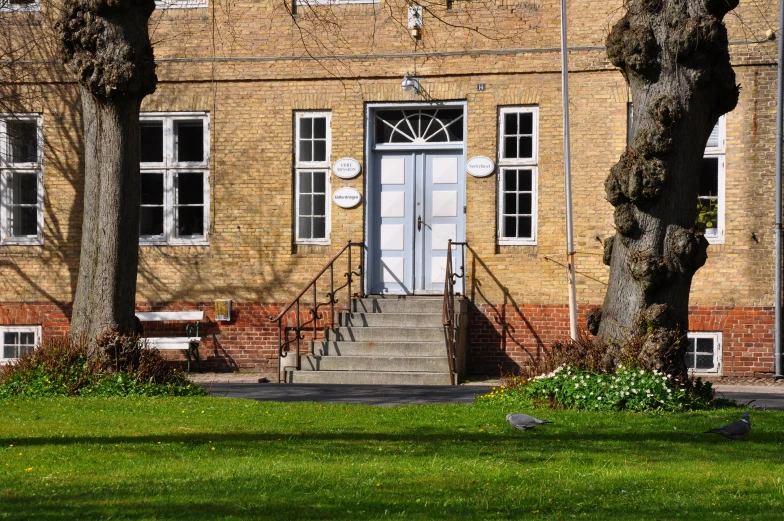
column 500, row 337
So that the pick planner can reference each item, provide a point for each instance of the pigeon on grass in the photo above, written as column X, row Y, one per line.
column 735, row 430
column 524, row 422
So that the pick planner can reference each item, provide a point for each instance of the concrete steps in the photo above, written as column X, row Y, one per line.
column 416, row 320
column 370, row 378
column 383, row 364
column 382, row 341
column 393, row 349
column 398, row 305
column 401, row 333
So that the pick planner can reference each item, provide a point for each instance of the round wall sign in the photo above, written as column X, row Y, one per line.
column 346, row 197
column 480, row 166
column 347, row 168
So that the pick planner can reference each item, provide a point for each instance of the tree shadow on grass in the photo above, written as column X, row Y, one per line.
column 534, row 445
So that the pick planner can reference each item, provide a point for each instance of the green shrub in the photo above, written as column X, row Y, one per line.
column 122, row 367
column 625, row 389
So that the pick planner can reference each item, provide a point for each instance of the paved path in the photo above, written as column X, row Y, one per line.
column 756, row 396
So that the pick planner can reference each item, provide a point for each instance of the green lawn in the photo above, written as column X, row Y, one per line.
column 212, row 458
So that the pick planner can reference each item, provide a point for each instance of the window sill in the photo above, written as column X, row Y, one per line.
column 21, row 9
column 517, row 243
column 334, row 2
column 706, row 372
column 325, row 242
column 715, row 239
column 22, row 242
column 181, row 5
column 175, row 243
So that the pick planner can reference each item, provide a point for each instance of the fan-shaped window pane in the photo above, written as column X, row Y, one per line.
column 419, row 126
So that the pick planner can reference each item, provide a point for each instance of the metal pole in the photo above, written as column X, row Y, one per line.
column 779, row 106
column 568, row 180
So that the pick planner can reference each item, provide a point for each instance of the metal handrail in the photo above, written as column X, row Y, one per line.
column 448, row 312
column 312, row 324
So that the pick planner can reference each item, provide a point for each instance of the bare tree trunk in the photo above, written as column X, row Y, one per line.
column 674, row 56
column 105, row 43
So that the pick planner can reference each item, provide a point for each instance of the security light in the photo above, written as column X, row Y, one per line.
column 411, row 84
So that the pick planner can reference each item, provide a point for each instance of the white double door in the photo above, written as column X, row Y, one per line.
column 418, row 205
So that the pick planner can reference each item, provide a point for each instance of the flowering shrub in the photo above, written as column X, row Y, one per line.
column 61, row 367
column 627, row 388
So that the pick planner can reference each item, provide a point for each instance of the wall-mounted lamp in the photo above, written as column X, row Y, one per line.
column 411, row 84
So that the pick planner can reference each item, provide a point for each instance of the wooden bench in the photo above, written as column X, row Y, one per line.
column 189, row 343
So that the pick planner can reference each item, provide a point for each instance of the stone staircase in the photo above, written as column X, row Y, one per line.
column 382, row 341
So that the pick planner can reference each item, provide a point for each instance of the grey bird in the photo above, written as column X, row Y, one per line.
column 735, row 430
column 524, row 422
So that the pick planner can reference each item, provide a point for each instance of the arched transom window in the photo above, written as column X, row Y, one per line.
column 419, row 126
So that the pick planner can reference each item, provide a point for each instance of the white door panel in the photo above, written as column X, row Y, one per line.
column 417, row 207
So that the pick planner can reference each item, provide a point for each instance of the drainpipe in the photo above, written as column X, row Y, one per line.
column 568, row 180
column 779, row 102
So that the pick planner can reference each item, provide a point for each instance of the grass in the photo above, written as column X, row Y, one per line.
column 213, row 458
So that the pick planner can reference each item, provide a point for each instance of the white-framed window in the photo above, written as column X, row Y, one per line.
column 21, row 179
column 175, row 171
column 17, row 341
column 312, row 149
column 19, row 5
column 518, row 144
column 181, row 4
column 710, row 197
column 703, row 353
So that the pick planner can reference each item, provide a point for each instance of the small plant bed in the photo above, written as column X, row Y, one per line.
column 589, row 375
column 624, row 388
column 208, row 458
column 121, row 367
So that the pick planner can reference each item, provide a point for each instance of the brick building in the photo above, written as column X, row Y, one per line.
column 254, row 107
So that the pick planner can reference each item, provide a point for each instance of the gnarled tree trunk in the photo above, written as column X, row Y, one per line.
column 106, row 45
column 674, row 55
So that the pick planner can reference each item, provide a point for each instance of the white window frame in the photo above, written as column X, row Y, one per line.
column 181, row 4
column 313, row 166
column 170, row 169
column 7, row 169
column 716, row 235
column 505, row 164
column 36, row 330
column 6, row 7
column 713, row 235
column 717, row 351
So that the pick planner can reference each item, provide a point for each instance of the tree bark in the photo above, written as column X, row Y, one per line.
column 106, row 45
column 674, row 56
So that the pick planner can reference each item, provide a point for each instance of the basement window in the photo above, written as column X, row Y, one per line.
column 21, row 179
column 703, row 354
column 518, row 175
column 17, row 341
column 312, row 149
column 174, row 178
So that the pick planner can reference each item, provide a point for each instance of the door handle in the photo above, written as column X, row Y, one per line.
column 419, row 223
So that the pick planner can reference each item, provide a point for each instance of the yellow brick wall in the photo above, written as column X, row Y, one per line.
column 251, row 256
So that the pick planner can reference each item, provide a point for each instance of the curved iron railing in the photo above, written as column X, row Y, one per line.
column 294, row 330
column 448, row 313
